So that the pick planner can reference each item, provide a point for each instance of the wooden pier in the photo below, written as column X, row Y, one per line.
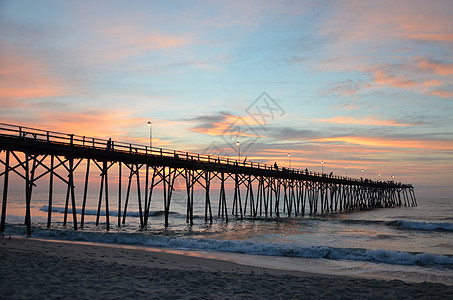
column 260, row 190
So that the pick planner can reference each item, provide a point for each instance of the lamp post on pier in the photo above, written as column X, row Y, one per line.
column 289, row 158
column 362, row 172
column 239, row 150
column 346, row 169
column 322, row 167
column 150, row 125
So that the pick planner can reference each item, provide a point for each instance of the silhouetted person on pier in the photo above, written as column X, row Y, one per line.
column 330, row 175
column 306, row 171
column 109, row 143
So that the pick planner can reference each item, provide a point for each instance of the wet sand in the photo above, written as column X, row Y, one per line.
column 41, row 269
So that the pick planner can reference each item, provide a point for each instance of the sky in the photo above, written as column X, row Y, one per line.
column 362, row 84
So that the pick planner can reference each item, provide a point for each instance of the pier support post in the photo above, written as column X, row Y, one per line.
column 5, row 192
column 85, row 191
column 71, row 184
column 27, row 193
column 119, row 194
column 49, row 207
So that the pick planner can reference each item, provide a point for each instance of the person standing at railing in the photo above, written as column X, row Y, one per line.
column 109, row 144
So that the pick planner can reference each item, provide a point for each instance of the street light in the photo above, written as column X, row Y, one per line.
column 322, row 167
column 379, row 176
column 289, row 157
column 346, row 168
column 150, row 125
column 239, row 150
column 362, row 172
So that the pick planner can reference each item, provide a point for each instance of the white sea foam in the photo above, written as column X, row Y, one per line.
column 423, row 225
column 250, row 247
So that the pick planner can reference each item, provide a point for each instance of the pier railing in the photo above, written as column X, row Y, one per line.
column 78, row 141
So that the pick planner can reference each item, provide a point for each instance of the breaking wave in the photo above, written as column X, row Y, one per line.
column 422, row 225
column 248, row 247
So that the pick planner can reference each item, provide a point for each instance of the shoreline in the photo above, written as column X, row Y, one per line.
column 36, row 268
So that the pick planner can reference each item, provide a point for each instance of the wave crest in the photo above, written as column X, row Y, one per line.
column 422, row 225
column 250, row 247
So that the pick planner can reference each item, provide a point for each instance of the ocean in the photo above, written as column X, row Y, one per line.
column 405, row 243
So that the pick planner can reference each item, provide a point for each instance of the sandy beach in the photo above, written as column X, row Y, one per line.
column 38, row 269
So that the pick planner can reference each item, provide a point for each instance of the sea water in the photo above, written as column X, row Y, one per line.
column 406, row 243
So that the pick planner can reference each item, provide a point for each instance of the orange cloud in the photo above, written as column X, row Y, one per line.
column 24, row 77
column 379, row 30
column 431, row 83
column 382, row 78
column 127, row 41
column 443, row 94
column 222, row 124
column 438, row 67
column 364, row 121
column 398, row 20
column 389, row 143
column 91, row 124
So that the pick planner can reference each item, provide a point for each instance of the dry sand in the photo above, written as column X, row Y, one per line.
column 40, row 269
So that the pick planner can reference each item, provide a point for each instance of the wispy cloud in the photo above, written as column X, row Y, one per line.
column 389, row 143
column 441, row 68
column 22, row 76
column 125, row 41
column 217, row 124
column 367, row 121
column 346, row 88
column 382, row 78
column 369, row 38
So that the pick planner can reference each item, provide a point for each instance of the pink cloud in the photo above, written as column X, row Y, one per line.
column 372, row 38
column 381, row 21
column 24, row 77
column 121, row 42
column 443, row 94
column 440, row 68
column 381, row 77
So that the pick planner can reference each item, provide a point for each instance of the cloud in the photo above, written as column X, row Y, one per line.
column 442, row 93
column 222, row 123
column 130, row 40
column 441, row 68
column 346, row 88
column 381, row 21
column 289, row 133
column 214, row 124
column 117, row 43
column 367, row 121
column 414, row 75
column 389, row 143
column 22, row 76
column 383, row 78
column 394, row 45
